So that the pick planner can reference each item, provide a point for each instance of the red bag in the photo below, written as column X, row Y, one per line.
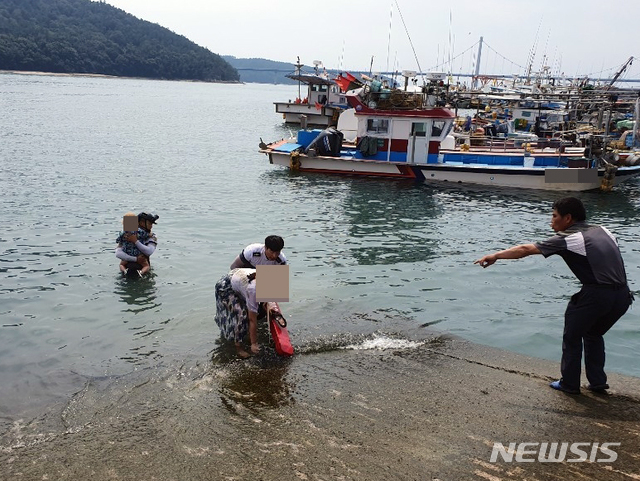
column 278, row 327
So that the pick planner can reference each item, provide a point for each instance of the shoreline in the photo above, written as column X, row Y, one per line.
column 98, row 75
column 429, row 412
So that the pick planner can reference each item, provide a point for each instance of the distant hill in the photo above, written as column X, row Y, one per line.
column 260, row 70
column 81, row 36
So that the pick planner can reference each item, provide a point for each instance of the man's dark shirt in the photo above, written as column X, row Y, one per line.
column 590, row 251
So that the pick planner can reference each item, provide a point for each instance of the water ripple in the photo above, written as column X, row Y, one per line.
column 365, row 254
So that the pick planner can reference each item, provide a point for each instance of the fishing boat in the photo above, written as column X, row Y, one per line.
column 400, row 134
column 323, row 102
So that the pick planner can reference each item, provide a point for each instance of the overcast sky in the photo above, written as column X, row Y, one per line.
column 571, row 36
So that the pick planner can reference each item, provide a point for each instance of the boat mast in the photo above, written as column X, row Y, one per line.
column 618, row 73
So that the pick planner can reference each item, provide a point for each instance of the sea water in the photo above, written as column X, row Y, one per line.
column 372, row 262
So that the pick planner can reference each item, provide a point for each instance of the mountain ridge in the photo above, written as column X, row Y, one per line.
column 85, row 37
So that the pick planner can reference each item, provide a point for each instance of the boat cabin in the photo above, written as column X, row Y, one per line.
column 320, row 90
column 400, row 135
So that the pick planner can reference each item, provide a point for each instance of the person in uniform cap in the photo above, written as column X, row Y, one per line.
column 269, row 253
column 592, row 254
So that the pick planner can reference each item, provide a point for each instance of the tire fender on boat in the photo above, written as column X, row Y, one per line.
column 607, row 179
column 294, row 160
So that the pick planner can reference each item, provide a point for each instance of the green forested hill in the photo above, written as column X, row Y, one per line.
column 81, row 36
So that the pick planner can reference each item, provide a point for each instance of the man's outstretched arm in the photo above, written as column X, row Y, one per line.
column 515, row 252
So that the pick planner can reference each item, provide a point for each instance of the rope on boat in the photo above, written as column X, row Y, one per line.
column 294, row 160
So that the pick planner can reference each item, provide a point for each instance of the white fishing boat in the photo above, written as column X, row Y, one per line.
column 402, row 134
column 323, row 101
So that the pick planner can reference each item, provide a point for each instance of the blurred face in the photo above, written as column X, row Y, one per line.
column 271, row 255
column 560, row 222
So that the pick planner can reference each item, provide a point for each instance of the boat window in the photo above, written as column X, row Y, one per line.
column 526, row 114
column 378, row 126
column 318, row 88
column 418, row 129
column 438, row 126
column 447, row 128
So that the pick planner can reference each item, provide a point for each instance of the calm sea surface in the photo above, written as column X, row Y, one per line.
column 368, row 257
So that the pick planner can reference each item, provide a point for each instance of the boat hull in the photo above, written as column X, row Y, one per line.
column 542, row 178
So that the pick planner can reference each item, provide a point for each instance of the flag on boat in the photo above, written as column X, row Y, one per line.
column 348, row 82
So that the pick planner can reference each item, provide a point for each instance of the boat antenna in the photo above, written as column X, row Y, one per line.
column 557, row 62
column 636, row 128
column 299, row 66
column 450, row 41
column 316, row 65
column 545, row 57
column 532, row 52
column 395, row 70
column 371, row 66
column 389, row 40
column 410, row 42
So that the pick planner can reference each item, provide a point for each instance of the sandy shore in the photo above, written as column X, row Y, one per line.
column 96, row 75
column 429, row 413
column 55, row 74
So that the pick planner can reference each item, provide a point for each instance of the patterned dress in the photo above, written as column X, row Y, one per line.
column 232, row 316
column 130, row 247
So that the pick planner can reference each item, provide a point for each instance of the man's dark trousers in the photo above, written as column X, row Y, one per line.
column 590, row 314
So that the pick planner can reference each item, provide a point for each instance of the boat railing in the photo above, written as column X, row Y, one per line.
column 510, row 144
